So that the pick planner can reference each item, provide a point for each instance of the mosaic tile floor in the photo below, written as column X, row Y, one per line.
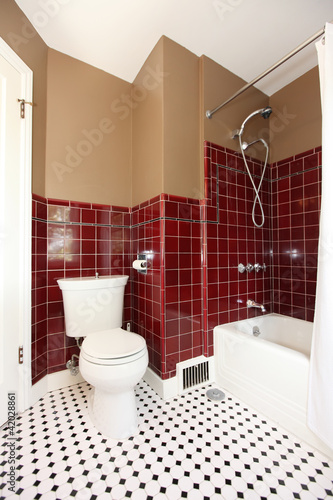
column 187, row 447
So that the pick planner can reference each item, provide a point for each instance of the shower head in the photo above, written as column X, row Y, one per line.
column 264, row 112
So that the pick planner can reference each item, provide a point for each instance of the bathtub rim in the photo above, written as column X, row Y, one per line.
column 231, row 327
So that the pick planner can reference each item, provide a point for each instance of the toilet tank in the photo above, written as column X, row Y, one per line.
column 92, row 304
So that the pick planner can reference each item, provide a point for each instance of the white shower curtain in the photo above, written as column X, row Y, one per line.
column 320, row 404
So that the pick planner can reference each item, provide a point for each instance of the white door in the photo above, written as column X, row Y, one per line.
column 15, row 233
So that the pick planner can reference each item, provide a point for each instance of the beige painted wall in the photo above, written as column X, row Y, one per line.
column 88, row 147
column 147, row 131
column 181, row 167
column 295, row 125
column 217, row 85
column 166, row 124
column 19, row 34
column 107, row 141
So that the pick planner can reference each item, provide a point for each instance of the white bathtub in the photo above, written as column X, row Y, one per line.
column 269, row 372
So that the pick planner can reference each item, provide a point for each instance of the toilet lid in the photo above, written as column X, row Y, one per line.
column 112, row 344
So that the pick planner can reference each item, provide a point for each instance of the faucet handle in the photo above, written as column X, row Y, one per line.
column 241, row 268
column 257, row 267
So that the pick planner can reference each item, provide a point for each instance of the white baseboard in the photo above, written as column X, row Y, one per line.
column 53, row 382
column 164, row 388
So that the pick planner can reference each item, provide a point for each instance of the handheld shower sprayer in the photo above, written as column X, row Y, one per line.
column 265, row 113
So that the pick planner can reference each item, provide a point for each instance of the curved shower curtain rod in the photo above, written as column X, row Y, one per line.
column 209, row 113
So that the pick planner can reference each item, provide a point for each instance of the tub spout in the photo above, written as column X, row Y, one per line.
column 252, row 303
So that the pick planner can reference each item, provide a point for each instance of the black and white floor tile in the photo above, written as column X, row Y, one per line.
column 186, row 447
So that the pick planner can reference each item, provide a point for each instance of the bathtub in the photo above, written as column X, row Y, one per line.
column 270, row 371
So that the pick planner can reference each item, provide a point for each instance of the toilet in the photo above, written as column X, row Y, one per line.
column 111, row 359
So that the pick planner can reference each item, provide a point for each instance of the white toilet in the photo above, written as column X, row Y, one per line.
column 112, row 360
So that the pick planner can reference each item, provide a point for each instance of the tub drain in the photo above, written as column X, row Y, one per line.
column 215, row 394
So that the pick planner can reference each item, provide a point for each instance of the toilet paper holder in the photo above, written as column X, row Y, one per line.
column 141, row 263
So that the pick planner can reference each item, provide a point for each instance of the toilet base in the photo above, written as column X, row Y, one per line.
column 114, row 415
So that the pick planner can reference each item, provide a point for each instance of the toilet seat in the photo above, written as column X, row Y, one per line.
column 113, row 347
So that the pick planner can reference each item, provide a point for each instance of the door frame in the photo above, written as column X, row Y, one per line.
column 24, row 293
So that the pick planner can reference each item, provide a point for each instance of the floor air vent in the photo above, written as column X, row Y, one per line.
column 195, row 375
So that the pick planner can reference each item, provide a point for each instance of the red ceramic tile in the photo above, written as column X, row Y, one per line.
column 72, row 214
column 80, row 204
column 41, row 211
column 55, row 213
column 54, row 201
column 88, row 232
column 88, row 216
column 198, row 296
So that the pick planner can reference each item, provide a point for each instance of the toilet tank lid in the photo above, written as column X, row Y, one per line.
column 91, row 282
column 111, row 344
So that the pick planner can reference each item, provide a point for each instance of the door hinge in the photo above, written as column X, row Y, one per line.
column 23, row 102
column 20, row 354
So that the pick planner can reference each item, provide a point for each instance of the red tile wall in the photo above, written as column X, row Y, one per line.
column 193, row 249
column 183, row 282
column 230, row 238
column 167, row 300
column 296, row 195
column 39, row 289
column 147, row 289
column 71, row 239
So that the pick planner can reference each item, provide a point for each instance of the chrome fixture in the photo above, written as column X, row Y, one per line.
column 256, row 331
column 265, row 113
column 72, row 366
column 141, row 263
column 215, row 394
column 249, row 267
column 258, row 267
column 209, row 113
column 252, row 303
column 242, row 268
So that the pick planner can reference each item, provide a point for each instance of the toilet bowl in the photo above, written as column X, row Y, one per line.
column 113, row 362
column 111, row 359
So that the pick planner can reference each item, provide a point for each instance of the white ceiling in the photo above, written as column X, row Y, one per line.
column 244, row 36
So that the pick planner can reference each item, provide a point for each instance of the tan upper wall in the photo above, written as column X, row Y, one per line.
column 147, row 131
column 181, row 171
column 88, row 148
column 107, row 141
column 295, row 125
column 20, row 35
column 166, row 124
column 217, row 85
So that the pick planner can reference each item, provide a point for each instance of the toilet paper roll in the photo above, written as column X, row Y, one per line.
column 139, row 265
